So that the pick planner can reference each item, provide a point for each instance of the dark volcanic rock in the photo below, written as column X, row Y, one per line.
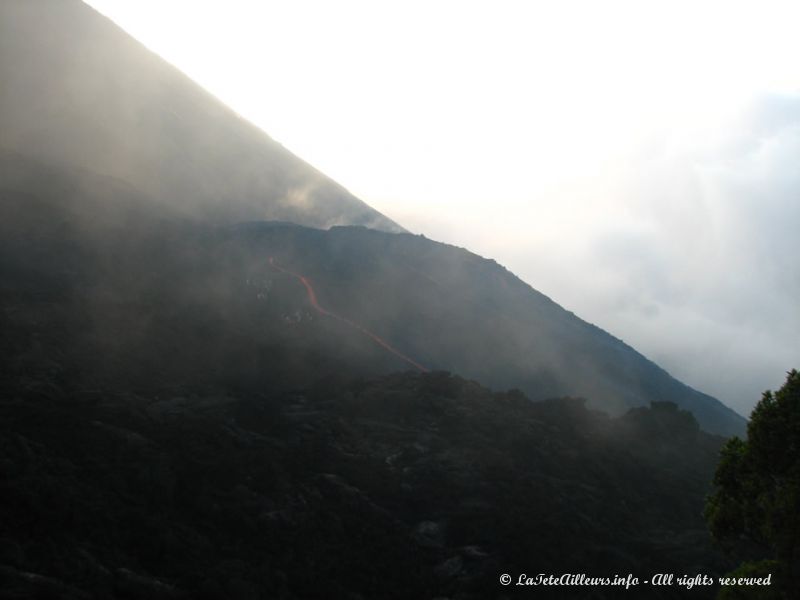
column 238, row 497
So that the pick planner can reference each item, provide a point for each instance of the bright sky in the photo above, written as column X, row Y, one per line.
column 585, row 145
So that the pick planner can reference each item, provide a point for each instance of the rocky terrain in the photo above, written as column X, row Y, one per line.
column 407, row 486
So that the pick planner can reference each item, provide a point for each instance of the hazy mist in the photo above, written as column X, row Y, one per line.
column 687, row 250
column 223, row 370
column 637, row 163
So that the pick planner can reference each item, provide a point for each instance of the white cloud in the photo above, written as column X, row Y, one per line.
column 703, row 272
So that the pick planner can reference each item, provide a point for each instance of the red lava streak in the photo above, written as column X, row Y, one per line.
column 312, row 298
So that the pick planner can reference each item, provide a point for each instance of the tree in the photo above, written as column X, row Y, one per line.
column 754, row 508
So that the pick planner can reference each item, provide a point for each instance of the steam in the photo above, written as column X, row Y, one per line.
column 687, row 249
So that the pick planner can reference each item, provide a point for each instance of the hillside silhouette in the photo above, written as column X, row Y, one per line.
column 221, row 372
column 108, row 137
column 208, row 291
column 79, row 91
column 411, row 485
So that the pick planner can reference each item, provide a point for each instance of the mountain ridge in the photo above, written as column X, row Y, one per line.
column 79, row 90
column 446, row 308
column 87, row 107
column 341, row 254
column 225, row 377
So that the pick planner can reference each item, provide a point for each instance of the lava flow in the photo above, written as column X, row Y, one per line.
column 312, row 298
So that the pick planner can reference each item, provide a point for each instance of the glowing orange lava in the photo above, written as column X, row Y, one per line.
column 312, row 298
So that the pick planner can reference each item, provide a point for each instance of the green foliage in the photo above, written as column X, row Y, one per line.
column 755, row 504
column 664, row 418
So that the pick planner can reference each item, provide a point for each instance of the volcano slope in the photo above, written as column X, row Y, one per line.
column 127, row 183
column 180, row 420
column 131, row 290
column 195, row 403
column 125, row 289
column 79, row 91
column 450, row 309
column 414, row 485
